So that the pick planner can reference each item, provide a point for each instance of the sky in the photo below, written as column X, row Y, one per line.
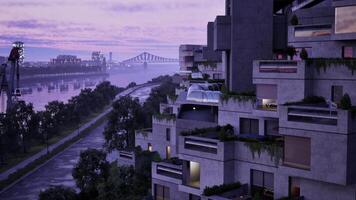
column 124, row 27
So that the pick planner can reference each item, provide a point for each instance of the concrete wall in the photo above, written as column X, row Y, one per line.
column 252, row 38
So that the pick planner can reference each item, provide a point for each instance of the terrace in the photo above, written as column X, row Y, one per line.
column 171, row 168
column 314, row 113
column 219, row 143
column 232, row 191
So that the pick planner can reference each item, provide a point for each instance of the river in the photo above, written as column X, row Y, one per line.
column 40, row 91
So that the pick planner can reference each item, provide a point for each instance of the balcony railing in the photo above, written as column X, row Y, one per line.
column 126, row 155
column 170, row 170
column 313, row 115
column 278, row 67
column 197, row 144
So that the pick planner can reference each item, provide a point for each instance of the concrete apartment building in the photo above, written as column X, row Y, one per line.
column 294, row 138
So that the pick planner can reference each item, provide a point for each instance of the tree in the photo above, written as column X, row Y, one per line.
column 21, row 123
column 91, row 170
column 157, row 96
column 58, row 193
column 345, row 102
column 294, row 20
column 126, row 117
column 119, row 185
column 291, row 52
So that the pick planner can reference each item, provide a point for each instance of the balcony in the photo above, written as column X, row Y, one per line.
column 126, row 158
column 280, row 69
column 317, row 118
column 168, row 170
column 210, row 143
column 222, row 33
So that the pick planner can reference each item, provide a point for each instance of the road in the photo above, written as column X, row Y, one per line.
column 58, row 171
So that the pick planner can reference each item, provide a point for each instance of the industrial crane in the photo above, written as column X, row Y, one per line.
column 10, row 77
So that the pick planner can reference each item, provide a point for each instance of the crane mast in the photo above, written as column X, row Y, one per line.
column 10, row 77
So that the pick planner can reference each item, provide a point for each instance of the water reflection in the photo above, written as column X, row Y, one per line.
column 41, row 90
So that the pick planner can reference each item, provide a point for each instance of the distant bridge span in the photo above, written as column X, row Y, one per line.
column 146, row 58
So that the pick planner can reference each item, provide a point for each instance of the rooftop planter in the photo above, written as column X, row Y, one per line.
column 165, row 116
column 273, row 146
column 325, row 63
column 309, row 101
column 144, row 132
column 240, row 97
column 222, row 133
column 220, row 189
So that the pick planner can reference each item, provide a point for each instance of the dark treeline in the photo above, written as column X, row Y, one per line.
column 59, row 69
column 22, row 128
column 129, row 115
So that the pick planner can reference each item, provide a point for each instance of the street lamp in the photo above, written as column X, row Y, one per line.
column 45, row 134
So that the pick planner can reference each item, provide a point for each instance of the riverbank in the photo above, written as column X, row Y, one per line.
column 25, row 167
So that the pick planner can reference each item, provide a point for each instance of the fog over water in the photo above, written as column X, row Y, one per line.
column 40, row 91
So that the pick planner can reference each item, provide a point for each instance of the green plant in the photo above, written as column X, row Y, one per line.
column 303, row 54
column 240, row 97
column 173, row 97
column 308, row 100
column 294, row 21
column 291, row 52
column 220, row 189
column 325, row 63
column 165, row 116
column 271, row 146
column 345, row 102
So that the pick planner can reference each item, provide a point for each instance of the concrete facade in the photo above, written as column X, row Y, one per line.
column 315, row 158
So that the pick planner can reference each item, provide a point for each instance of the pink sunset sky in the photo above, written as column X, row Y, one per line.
column 125, row 27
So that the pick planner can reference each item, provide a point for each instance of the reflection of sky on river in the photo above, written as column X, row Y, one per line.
column 41, row 92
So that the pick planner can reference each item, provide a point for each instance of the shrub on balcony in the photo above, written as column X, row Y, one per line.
column 165, row 116
column 220, row 189
column 325, row 63
column 345, row 102
column 304, row 54
column 294, row 21
column 223, row 133
column 291, row 52
column 272, row 146
column 240, row 97
column 174, row 161
column 173, row 97
column 308, row 100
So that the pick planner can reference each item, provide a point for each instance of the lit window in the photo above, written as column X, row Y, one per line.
column 149, row 148
column 347, row 52
column 345, row 19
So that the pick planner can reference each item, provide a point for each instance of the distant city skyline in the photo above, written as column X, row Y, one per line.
column 126, row 28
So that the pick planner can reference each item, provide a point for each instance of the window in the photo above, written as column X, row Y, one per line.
column 193, row 175
column 272, row 127
column 294, row 187
column 161, row 192
column 249, row 126
column 297, row 152
column 149, row 147
column 336, row 93
column 345, row 19
column 168, row 152
column 347, row 52
column 168, row 134
column 262, row 183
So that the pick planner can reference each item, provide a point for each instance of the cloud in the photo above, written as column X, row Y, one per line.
column 122, row 26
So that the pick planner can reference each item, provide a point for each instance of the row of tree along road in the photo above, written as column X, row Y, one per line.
column 98, row 179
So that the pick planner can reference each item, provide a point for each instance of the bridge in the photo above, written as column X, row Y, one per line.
column 145, row 58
